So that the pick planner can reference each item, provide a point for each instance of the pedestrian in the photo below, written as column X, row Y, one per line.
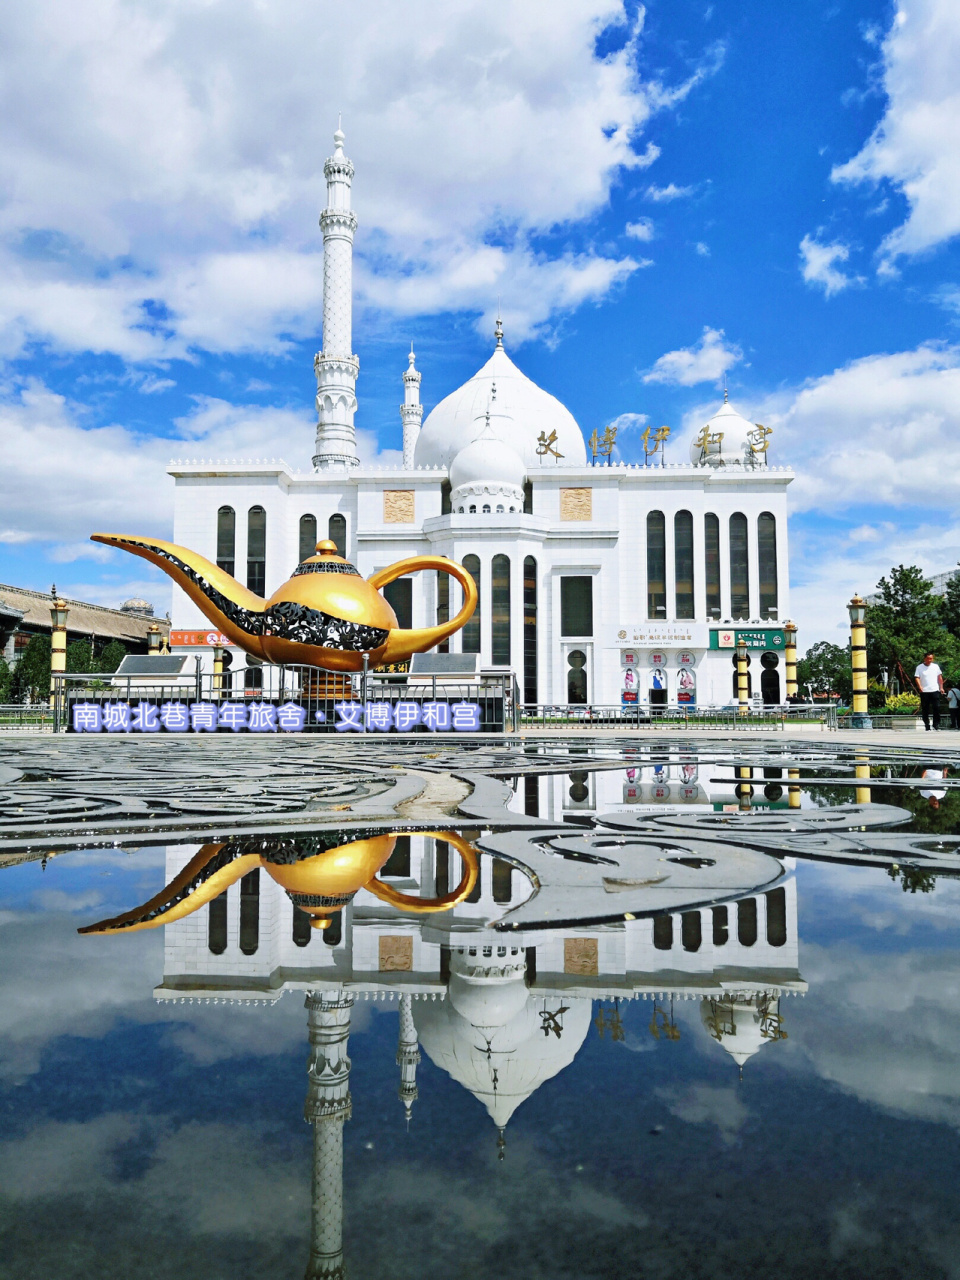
column 933, row 795
column 929, row 680
column 953, row 702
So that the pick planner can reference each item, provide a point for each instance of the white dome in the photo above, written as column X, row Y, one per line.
column 740, row 1024
column 501, row 1065
column 523, row 410
column 734, row 448
column 487, row 473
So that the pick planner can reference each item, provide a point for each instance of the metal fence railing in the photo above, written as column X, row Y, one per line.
column 283, row 699
column 26, row 715
column 594, row 716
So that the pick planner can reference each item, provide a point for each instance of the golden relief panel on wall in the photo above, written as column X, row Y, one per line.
column 576, row 504
column 398, row 506
column 396, row 953
column 581, row 956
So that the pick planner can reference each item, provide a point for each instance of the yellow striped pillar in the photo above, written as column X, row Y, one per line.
column 790, row 657
column 217, row 672
column 862, row 770
column 58, row 644
column 743, row 696
column 793, row 791
column 857, row 608
column 744, row 787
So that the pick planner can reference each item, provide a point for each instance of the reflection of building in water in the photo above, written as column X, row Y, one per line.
column 500, row 1012
column 327, row 1107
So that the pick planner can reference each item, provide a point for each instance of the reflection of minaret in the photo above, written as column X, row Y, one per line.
column 328, row 1106
column 408, row 1056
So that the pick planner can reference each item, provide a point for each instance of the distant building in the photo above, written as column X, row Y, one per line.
column 25, row 614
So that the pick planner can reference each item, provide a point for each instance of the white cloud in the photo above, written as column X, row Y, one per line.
column 662, row 195
column 916, row 145
column 708, row 1104
column 630, row 422
column 705, row 361
column 163, row 166
column 640, row 230
column 703, row 249
column 818, row 265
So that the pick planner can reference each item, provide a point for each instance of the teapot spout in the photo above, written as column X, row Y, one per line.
column 232, row 609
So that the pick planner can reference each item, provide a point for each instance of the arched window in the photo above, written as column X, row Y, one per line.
column 776, row 917
column 226, row 539
column 500, row 508
column 334, row 930
column 337, row 532
column 711, row 547
column 663, row 932
column 217, row 925
column 250, row 912
column 529, row 629
column 302, row 929
column 691, row 932
column 486, row 508
column 257, row 550
column 502, row 876
column 473, row 510
column 683, row 562
column 443, row 607
column 739, row 567
column 471, row 632
column 767, row 563
column 308, row 537
column 720, row 926
column 500, row 610
column 747, row 922
column 445, row 506
column 656, row 565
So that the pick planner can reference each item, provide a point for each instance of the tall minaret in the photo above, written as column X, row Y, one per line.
column 328, row 1105
column 336, row 366
column 408, row 1056
column 411, row 411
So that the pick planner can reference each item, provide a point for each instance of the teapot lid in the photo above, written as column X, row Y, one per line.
column 326, row 560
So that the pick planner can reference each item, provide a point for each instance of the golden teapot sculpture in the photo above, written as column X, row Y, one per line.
column 319, row 875
column 326, row 616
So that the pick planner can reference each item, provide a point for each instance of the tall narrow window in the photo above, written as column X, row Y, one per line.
column 334, row 930
column 471, row 632
column 576, row 606
column 398, row 864
column 399, row 596
column 502, row 872
column 776, row 917
column 530, row 629
column 739, row 567
column 217, row 925
column 683, row 562
column 691, row 930
column 531, row 795
column 442, row 860
column 257, row 550
column 656, row 565
column 308, row 537
column 528, row 497
column 445, row 505
column 767, row 563
column 250, row 912
column 337, row 532
column 711, row 545
column 721, row 926
column 226, row 539
column 663, row 932
column 302, row 929
column 747, row 922
column 443, row 608
column 500, row 610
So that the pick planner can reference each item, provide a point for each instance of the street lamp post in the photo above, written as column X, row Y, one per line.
column 790, row 658
column 743, row 696
column 58, row 643
column 154, row 639
column 217, row 671
column 857, row 608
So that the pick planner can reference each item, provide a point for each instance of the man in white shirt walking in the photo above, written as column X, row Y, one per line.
column 929, row 680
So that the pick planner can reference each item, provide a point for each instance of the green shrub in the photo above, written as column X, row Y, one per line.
column 903, row 704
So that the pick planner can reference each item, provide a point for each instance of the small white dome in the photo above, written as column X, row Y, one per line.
column 728, row 441
column 527, row 412
column 136, row 605
column 741, row 1025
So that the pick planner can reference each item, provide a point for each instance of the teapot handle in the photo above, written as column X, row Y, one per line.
column 421, row 906
column 402, row 643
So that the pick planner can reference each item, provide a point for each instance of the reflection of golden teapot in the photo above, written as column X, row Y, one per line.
column 325, row 616
column 319, row 877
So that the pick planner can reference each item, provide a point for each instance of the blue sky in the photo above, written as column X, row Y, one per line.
column 661, row 197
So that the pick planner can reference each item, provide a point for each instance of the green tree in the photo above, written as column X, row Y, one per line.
column 950, row 606
column 905, row 623
column 6, row 680
column 825, row 668
column 80, row 656
column 31, row 677
column 111, row 657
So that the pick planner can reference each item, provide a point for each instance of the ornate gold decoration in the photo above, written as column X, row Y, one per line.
column 652, row 444
column 610, row 1021
column 325, row 616
column 706, row 440
column 547, row 444
column 576, row 504
column 581, row 956
column 319, row 883
column 398, row 506
column 662, row 1023
column 760, row 438
column 603, row 445
column 396, row 953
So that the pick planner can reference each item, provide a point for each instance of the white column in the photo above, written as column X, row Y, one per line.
column 411, row 411
column 328, row 1105
column 336, row 366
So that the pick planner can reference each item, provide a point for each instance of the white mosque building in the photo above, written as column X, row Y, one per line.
column 601, row 584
